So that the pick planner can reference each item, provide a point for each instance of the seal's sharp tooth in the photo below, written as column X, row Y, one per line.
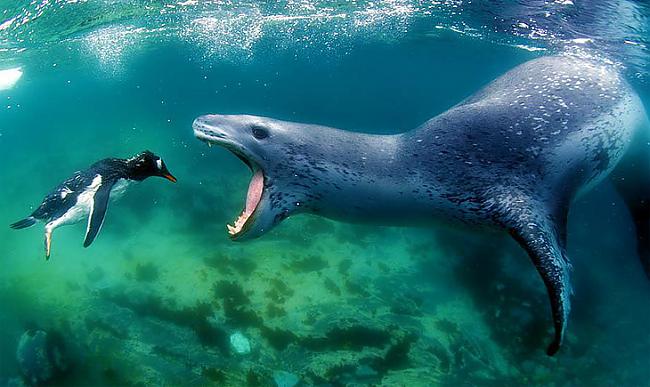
column 231, row 229
column 210, row 144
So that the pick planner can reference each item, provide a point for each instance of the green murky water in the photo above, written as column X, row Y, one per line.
column 157, row 297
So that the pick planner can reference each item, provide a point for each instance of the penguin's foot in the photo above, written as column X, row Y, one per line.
column 48, row 243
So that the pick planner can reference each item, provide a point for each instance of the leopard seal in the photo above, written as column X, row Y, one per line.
column 513, row 156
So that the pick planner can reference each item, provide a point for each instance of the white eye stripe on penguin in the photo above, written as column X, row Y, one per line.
column 159, row 163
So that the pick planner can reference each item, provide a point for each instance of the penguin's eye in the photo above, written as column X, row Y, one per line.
column 259, row 132
column 159, row 163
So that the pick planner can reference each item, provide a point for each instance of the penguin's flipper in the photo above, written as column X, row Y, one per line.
column 97, row 212
column 541, row 233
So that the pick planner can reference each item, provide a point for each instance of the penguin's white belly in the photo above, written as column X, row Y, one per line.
column 86, row 200
column 75, row 214
column 81, row 208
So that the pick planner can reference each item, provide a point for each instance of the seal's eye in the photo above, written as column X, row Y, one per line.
column 259, row 132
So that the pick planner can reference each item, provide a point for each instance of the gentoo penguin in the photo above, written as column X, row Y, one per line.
column 86, row 194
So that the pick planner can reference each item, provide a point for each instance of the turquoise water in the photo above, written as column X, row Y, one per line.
column 158, row 295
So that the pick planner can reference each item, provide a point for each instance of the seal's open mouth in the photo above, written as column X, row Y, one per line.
column 253, row 199
column 255, row 188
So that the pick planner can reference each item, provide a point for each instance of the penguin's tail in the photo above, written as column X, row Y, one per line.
column 27, row 222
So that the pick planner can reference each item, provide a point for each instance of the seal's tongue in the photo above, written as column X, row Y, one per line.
column 253, row 197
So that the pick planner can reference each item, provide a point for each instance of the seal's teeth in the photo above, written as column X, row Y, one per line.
column 239, row 222
column 209, row 145
column 238, row 225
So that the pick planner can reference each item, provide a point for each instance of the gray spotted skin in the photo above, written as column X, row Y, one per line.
column 513, row 156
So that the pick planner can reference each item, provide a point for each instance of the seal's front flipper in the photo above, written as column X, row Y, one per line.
column 640, row 211
column 97, row 212
column 632, row 180
column 542, row 236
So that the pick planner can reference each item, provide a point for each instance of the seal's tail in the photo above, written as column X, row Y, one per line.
column 24, row 223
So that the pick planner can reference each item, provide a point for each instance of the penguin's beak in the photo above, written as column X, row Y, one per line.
column 169, row 177
column 164, row 172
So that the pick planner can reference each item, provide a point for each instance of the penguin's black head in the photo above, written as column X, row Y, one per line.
column 146, row 164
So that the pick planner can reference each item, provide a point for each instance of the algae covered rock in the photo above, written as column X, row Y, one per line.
column 240, row 343
column 285, row 379
column 41, row 356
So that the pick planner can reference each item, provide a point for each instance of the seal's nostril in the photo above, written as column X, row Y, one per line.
column 199, row 122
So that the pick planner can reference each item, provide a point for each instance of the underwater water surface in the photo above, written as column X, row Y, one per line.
column 163, row 297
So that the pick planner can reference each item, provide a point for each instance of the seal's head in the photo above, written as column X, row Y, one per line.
column 265, row 145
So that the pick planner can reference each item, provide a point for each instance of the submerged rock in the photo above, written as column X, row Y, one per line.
column 240, row 344
column 285, row 379
column 41, row 356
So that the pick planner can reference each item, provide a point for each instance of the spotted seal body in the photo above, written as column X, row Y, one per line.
column 513, row 156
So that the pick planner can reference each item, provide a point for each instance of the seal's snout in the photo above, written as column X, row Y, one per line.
column 202, row 124
column 208, row 128
column 209, row 120
column 199, row 126
column 198, row 122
